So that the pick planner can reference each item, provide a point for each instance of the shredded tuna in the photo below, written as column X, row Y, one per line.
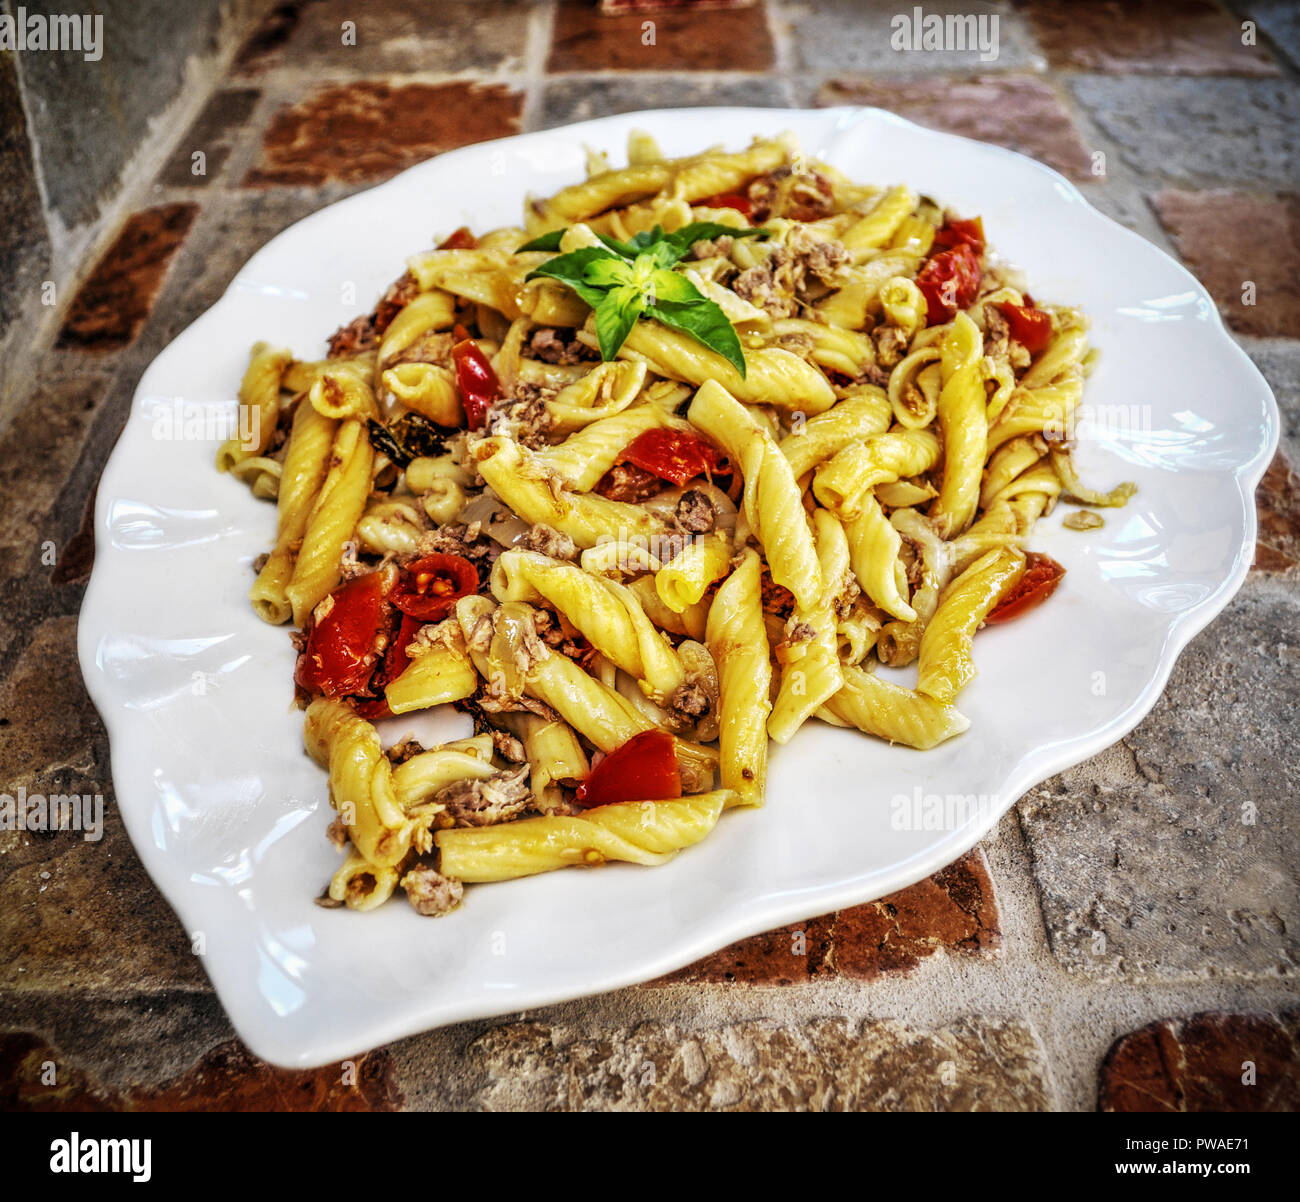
column 690, row 700
column 546, row 540
column 507, row 746
column 431, row 893
column 486, row 802
column 547, row 345
column 695, row 512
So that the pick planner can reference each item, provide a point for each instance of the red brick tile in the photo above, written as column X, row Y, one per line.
column 1167, row 37
column 954, row 909
column 1016, row 111
column 1277, row 505
column 585, row 39
column 366, row 131
column 1203, row 1063
column 226, row 1078
column 1231, row 239
column 786, row 956
column 78, row 555
column 614, row 7
column 114, row 302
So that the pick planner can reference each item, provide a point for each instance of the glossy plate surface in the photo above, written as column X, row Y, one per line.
column 229, row 815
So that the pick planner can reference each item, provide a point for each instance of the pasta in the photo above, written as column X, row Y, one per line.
column 643, row 485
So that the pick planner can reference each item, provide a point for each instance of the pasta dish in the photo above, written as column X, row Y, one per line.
column 641, row 485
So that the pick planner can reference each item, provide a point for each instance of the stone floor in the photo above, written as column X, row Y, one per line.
column 1124, row 940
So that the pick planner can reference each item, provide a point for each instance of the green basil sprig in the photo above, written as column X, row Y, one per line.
column 623, row 281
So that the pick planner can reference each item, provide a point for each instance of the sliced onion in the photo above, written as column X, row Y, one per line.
column 499, row 522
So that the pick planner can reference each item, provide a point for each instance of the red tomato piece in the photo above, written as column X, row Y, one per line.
column 1042, row 575
column 431, row 585
column 729, row 200
column 949, row 282
column 1029, row 326
column 341, row 652
column 643, row 769
column 460, row 239
column 676, row 455
column 475, row 378
column 372, row 708
column 953, row 233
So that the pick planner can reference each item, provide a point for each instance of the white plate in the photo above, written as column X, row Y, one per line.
column 229, row 815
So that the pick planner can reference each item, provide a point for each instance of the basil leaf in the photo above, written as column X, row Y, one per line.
column 615, row 317
column 607, row 273
column 669, row 285
column 571, row 269
column 549, row 241
column 697, row 231
column 706, row 323
column 619, row 248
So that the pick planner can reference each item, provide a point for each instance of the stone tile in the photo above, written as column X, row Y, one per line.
column 393, row 36
column 820, row 1065
column 1016, row 111
column 1233, row 239
column 791, row 955
column 212, row 136
column 371, row 130
column 113, row 303
column 225, row 1078
column 1280, row 364
column 580, row 99
column 1277, row 503
column 616, row 7
column 1205, row 1063
column 89, row 118
column 874, row 36
column 1279, row 22
column 585, row 39
column 954, row 910
column 1172, row 37
column 76, row 907
column 1235, row 130
column 1188, row 875
column 50, row 429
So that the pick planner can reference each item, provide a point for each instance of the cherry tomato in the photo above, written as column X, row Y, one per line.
column 642, row 769
column 475, row 378
column 1029, row 326
column 728, row 200
column 395, row 663
column 953, row 233
column 676, row 455
column 341, row 654
column 431, row 585
column 460, row 239
column 1042, row 575
column 949, row 282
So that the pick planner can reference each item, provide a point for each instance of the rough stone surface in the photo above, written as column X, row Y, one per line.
column 225, row 1078
column 1280, row 364
column 853, row 35
column 584, row 39
column 580, row 99
column 1208, row 1062
column 1182, row 130
column 73, row 911
column 1277, row 503
column 1185, row 871
column 1279, row 22
column 371, row 130
column 1019, row 112
column 1231, row 241
column 112, row 305
column 212, row 135
column 825, row 1065
column 1175, row 37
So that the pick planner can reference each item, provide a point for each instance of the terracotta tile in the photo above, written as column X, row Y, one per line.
column 1167, row 37
column 1198, row 1064
column 615, row 7
column 786, row 956
column 74, row 565
column 955, row 910
column 112, row 305
column 212, row 135
column 272, row 34
column 370, row 130
column 1015, row 111
column 1277, row 505
column 226, row 1078
column 1232, row 239
column 584, row 39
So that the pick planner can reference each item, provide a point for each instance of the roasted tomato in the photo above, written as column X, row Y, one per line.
column 728, row 200
column 1042, row 575
column 953, row 233
column 345, row 645
column 643, row 769
column 475, row 378
column 432, row 584
column 949, row 282
column 1028, row 325
column 676, row 455
column 460, row 239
